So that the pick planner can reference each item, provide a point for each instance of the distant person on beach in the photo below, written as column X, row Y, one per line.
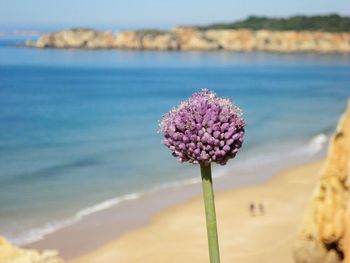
column 252, row 209
column 261, row 209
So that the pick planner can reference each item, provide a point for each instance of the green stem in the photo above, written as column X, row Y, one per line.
column 208, row 196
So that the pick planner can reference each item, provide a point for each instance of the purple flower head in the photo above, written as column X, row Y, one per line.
column 203, row 129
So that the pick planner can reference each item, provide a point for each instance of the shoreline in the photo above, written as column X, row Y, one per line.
column 133, row 213
column 280, row 224
column 306, row 52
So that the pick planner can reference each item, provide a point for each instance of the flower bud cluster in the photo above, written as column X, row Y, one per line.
column 204, row 129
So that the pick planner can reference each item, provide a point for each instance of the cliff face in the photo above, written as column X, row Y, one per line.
column 75, row 38
column 325, row 233
column 192, row 39
column 11, row 254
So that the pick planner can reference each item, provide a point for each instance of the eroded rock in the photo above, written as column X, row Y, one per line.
column 325, row 233
column 12, row 254
column 75, row 38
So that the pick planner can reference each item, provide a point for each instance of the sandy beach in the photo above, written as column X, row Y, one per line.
column 177, row 233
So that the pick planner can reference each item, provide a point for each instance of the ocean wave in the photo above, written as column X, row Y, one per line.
column 106, row 204
column 317, row 143
column 37, row 234
column 288, row 151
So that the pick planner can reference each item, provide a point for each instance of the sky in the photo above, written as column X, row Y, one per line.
column 131, row 14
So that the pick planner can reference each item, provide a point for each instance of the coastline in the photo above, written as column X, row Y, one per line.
column 137, row 210
column 194, row 39
column 242, row 237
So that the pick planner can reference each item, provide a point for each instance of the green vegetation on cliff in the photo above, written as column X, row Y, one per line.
column 327, row 23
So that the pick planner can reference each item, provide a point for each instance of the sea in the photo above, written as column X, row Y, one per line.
column 78, row 128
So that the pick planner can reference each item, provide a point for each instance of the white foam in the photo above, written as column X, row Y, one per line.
column 317, row 143
column 106, row 204
column 286, row 152
column 37, row 234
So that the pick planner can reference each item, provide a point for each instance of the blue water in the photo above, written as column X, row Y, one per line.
column 80, row 127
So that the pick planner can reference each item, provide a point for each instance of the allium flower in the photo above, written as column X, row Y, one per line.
column 204, row 129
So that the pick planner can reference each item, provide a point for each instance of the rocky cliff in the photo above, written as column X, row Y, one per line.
column 324, row 236
column 11, row 254
column 187, row 38
column 75, row 38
